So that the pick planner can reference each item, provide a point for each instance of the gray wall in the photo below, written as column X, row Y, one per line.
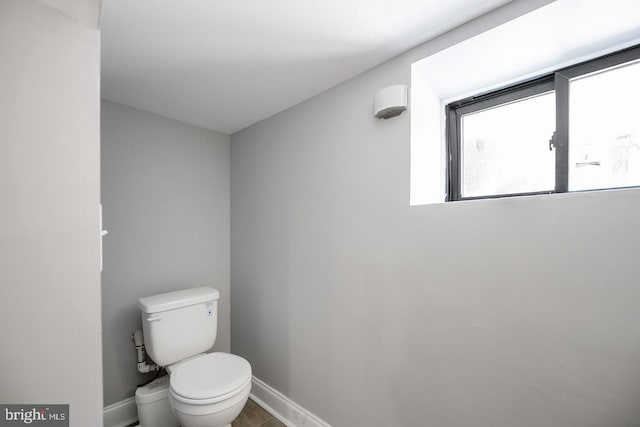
column 368, row 312
column 165, row 195
column 49, row 196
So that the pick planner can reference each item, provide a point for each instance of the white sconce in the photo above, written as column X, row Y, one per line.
column 390, row 101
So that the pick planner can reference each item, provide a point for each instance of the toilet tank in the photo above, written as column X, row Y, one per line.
column 179, row 324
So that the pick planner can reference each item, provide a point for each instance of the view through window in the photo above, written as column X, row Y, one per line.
column 576, row 129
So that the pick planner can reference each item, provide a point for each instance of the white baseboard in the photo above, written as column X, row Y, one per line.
column 281, row 407
column 121, row 414
column 125, row 412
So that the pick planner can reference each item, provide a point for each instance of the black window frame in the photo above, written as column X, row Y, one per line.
column 557, row 81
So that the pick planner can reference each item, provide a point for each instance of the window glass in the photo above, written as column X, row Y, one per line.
column 604, row 131
column 499, row 142
column 505, row 149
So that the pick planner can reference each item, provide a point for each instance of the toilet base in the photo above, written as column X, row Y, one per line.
column 219, row 414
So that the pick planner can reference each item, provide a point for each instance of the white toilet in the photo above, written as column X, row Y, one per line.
column 205, row 390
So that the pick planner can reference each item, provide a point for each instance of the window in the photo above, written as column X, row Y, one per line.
column 573, row 130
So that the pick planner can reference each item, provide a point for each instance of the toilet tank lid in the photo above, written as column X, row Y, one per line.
column 177, row 299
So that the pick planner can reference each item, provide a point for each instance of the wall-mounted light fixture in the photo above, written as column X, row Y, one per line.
column 390, row 101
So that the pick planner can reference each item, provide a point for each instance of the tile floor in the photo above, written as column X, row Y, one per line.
column 253, row 415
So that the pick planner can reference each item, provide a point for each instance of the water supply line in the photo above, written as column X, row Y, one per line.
column 143, row 366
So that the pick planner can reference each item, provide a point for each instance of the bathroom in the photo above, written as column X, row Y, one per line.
column 353, row 305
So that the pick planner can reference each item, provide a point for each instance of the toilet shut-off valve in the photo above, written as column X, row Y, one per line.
column 143, row 366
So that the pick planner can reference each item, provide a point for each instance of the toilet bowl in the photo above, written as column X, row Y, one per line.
column 209, row 390
column 194, row 413
column 205, row 389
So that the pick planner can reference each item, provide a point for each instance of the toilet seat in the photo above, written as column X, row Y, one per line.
column 209, row 378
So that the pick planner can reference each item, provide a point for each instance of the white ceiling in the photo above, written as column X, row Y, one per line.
column 224, row 65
